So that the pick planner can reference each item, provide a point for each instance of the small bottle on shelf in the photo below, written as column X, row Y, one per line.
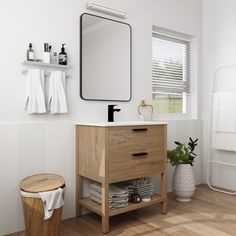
column 63, row 56
column 135, row 196
column 30, row 53
column 54, row 58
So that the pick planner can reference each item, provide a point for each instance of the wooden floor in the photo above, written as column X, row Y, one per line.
column 210, row 213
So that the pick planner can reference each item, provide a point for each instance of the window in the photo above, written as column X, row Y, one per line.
column 170, row 74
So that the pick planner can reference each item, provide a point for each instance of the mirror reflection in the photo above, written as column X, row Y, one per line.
column 105, row 57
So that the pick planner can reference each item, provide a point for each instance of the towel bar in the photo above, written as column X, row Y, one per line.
column 211, row 161
column 46, row 73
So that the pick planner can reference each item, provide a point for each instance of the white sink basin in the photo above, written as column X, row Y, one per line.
column 124, row 123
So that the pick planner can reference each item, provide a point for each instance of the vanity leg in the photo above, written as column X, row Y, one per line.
column 105, row 207
column 79, row 195
column 164, row 192
column 105, row 224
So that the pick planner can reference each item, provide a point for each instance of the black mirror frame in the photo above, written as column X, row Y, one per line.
column 81, row 83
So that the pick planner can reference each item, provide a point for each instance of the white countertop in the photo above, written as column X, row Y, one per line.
column 125, row 123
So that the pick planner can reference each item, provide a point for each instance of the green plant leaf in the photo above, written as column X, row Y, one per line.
column 182, row 154
column 177, row 143
column 195, row 140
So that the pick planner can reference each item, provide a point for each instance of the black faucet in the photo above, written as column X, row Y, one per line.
column 111, row 111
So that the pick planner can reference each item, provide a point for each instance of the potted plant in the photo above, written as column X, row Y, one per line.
column 182, row 157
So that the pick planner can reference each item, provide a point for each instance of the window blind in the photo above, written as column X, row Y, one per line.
column 170, row 65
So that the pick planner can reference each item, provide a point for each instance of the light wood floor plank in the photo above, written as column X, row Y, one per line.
column 209, row 214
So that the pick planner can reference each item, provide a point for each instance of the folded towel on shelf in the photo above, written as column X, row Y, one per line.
column 51, row 200
column 111, row 204
column 143, row 191
column 57, row 97
column 97, row 195
column 111, row 199
column 117, row 196
column 118, row 205
column 35, row 100
column 142, row 186
column 98, row 200
column 113, row 190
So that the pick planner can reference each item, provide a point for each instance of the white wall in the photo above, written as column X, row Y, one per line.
column 32, row 144
column 219, row 50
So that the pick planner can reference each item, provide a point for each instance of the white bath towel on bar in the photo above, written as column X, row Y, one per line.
column 224, row 112
column 57, row 97
column 224, row 141
column 224, row 121
column 35, row 100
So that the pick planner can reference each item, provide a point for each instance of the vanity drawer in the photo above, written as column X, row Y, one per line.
column 130, row 165
column 132, row 138
column 135, row 151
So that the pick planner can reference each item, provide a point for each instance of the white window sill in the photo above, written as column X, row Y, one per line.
column 172, row 117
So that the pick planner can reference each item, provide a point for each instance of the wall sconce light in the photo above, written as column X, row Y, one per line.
column 107, row 10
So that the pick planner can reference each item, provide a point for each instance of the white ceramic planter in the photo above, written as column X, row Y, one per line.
column 183, row 183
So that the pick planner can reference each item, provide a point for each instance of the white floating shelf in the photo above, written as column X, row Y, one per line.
column 34, row 63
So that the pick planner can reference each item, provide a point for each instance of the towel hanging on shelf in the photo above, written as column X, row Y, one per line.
column 35, row 100
column 57, row 97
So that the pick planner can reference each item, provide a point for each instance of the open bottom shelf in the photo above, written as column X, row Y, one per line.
column 97, row 208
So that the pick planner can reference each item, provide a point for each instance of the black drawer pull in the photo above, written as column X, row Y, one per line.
column 140, row 129
column 140, row 154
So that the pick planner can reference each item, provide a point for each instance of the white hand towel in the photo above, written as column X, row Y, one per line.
column 35, row 101
column 57, row 97
column 51, row 200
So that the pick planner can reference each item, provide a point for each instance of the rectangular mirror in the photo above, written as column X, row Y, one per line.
column 105, row 59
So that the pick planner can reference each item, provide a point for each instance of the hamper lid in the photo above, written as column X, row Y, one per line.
column 42, row 182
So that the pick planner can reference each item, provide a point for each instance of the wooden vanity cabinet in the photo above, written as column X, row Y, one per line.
column 110, row 154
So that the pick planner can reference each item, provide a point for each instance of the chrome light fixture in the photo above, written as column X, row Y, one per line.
column 107, row 10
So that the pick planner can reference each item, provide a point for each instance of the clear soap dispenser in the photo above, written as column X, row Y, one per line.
column 30, row 53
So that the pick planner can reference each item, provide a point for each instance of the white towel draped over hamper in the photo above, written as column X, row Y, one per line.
column 224, row 121
column 57, row 97
column 35, row 100
column 51, row 200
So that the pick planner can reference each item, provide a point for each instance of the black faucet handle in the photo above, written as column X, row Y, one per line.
column 112, row 106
